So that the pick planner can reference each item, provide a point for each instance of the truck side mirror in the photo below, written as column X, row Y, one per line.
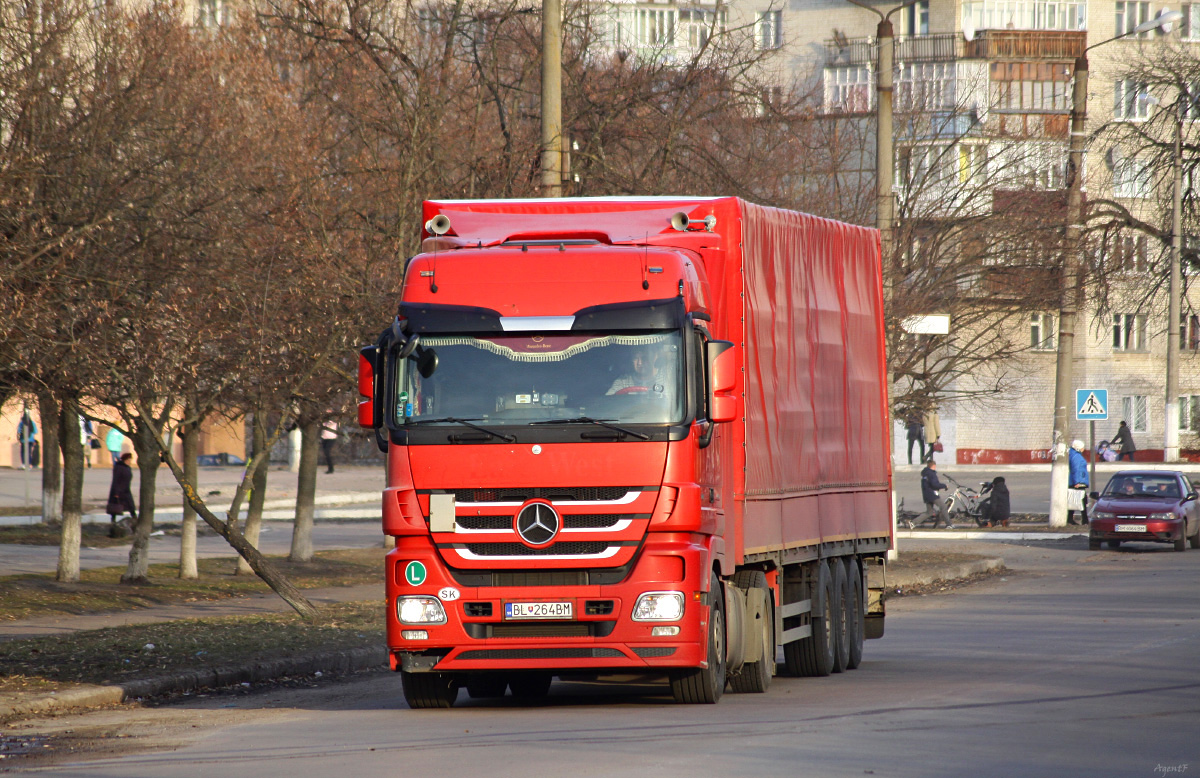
column 722, row 377
column 367, row 416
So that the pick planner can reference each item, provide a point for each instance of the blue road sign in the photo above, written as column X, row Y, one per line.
column 1091, row 404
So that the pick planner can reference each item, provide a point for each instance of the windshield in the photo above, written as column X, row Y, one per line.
column 1142, row 486
column 520, row 379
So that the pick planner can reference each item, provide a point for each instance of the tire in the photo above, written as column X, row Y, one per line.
column 841, row 607
column 1195, row 538
column 1180, row 543
column 483, row 686
column 1093, row 544
column 755, row 676
column 428, row 690
column 813, row 657
column 705, row 685
column 530, row 686
column 1114, row 544
column 856, row 615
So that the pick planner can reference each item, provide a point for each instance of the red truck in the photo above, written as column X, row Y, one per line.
column 631, row 435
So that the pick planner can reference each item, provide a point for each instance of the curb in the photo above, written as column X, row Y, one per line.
column 953, row 534
column 899, row 580
column 267, row 669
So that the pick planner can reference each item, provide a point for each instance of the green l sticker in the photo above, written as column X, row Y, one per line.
column 415, row 573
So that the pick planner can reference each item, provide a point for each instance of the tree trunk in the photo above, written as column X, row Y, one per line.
column 148, row 461
column 191, row 471
column 306, row 492
column 48, row 409
column 73, row 453
column 258, row 488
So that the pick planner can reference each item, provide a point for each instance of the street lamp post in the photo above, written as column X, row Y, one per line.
column 552, row 98
column 1072, row 292
column 1171, row 433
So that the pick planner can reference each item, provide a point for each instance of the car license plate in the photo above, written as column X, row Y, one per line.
column 539, row 610
column 1130, row 528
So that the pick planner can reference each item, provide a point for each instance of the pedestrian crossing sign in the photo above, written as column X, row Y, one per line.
column 1091, row 404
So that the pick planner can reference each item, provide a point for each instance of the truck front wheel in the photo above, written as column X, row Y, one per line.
column 755, row 676
column 428, row 690
column 706, row 685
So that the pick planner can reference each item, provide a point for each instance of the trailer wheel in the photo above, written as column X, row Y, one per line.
column 483, row 686
column 813, row 657
column 706, row 685
column 841, row 618
column 856, row 616
column 428, row 690
column 755, row 676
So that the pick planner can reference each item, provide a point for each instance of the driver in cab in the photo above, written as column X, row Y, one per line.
column 643, row 376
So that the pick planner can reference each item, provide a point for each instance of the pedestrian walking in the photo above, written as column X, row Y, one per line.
column 120, row 496
column 114, row 441
column 1078, row 479
column 329, row 435
column 916, row 434
column 27, row 438
column 933, row 432
column 1124, row 441
column 935, row 506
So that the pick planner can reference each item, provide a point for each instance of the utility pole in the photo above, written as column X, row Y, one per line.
column 552, row 98
column 1171, row 432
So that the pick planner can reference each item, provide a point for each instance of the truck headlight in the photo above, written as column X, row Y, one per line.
column 658, row 606
column 420, row 610
column 1161, row 516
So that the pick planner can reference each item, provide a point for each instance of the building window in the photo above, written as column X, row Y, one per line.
column 1030, row 87
column 1131, row 13
column 768, row 30
column 972, row 162
column 1042, row 333
column 1189, row 413
column 1130, row 254
column 1026, row 14
column 1190, row 26
column 1189, row 332
column 914, row 19
column 1131, row 178
column 927, row 86
column 1129, row 101
column 1129, row 332
column 1136, row 413
column 849, row 89
column 211, row 13
column 700, row 25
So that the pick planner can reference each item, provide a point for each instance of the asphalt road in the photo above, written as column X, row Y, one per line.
column 1077, row 663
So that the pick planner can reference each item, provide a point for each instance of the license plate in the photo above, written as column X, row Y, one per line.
column 539, row 610
column 1130, row 528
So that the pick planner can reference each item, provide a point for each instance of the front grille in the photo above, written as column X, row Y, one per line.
column 570, row 521
column 598, row 607
column 539, row 578
column 542, row 653
column 552, row 493
column 654, row 652
column 541, row 630
column 477, row 610
column 554, row 549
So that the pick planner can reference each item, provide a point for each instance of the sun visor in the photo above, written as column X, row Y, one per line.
column 431, row 318
column 665, row 314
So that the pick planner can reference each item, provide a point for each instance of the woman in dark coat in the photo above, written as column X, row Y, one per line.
column 1001, row 508
column 120, row 497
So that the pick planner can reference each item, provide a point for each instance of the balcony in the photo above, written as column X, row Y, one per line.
column 1039, row 45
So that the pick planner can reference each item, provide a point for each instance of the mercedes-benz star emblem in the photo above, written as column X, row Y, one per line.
column 537, row 524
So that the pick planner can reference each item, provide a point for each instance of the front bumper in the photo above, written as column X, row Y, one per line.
column 601, row 635
column 1159, row 531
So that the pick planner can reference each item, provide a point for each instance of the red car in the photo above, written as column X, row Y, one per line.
column 1155, row 506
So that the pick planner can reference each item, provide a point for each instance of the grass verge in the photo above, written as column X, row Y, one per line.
column 32, row 596
column 119, row 654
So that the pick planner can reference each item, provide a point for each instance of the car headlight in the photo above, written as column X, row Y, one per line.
column 1104, row 515
column 1161, row 516
column 420, row 610
column 658, row 606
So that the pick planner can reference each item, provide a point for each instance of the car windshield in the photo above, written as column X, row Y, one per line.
column 1142, row 486
column 518, row 379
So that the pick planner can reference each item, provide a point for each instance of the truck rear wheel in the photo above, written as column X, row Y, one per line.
column 841, row 618
column 706, row 685
column 813, row 657
column 755, row 676
column 855, row 614
column 428, row 690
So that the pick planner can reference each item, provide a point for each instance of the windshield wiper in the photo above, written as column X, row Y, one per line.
column 589, row 420
column 465, row 423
